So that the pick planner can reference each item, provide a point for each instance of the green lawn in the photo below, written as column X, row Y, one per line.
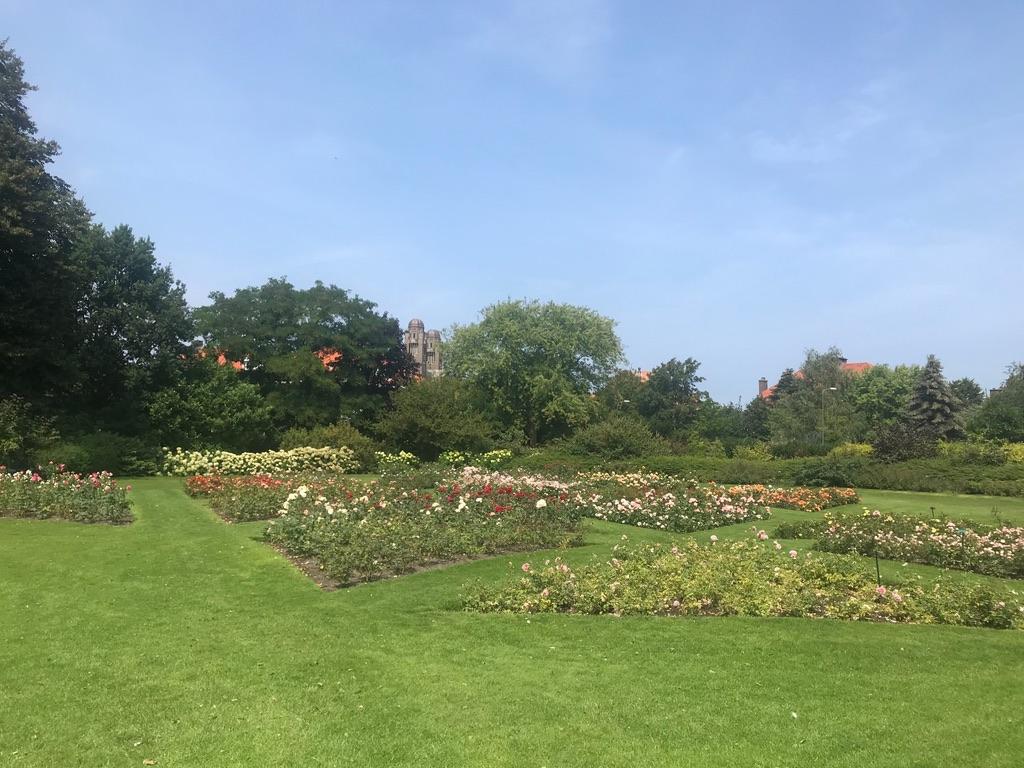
column 181, row 639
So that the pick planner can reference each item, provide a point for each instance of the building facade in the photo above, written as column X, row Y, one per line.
column 424, row 347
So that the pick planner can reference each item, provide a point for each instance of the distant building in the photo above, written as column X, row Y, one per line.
column 765, row 392
column 424, row 347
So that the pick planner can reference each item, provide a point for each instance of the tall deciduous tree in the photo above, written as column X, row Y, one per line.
column 134, row 325
column 670, row 401
column 536, row 364
column 317, row 353
column 1002, row 414
column 968, row 392
column 40, row 218
column 880, row 396
column 817, row 412
column 934, row 410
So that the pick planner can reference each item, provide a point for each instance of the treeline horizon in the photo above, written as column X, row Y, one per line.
column 103, row 362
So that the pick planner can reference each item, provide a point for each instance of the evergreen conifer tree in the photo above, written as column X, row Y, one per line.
column 934, row 411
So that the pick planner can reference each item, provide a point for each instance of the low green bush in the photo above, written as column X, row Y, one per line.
column 848, row 450
column 974, row 451
column 753, row 452
column 103, row 451
column 617, row 437
column 340, row 435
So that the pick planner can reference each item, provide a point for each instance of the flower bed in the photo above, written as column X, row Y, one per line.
column 179, row 462
column 55, row 493
column 650, row 500
column 240, row 498
column 806, row 499
column 386, row 531
column 997, row 551
column 742, row 579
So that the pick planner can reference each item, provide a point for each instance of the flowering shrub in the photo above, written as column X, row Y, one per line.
column 53, row 492
column 937, row 541
column 387, row 531
column 488, row 460
column 396, row 463
column 454, row 458
column 179, row 462
column 741, row 579
column 806, row 499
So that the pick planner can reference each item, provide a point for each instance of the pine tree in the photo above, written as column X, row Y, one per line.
column 934, row 411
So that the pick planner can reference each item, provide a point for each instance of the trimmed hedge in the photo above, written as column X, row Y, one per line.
column 939, row 475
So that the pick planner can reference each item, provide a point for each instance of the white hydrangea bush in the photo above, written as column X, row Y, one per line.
column 184, row 463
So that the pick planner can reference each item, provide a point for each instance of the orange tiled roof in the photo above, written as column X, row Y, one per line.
column 847, row 367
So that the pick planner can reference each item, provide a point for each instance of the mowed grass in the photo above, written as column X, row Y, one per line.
column 183, row 640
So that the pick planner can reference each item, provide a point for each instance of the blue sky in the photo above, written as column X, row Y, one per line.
column 734, row 182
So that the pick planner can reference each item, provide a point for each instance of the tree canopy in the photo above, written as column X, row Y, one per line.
column 316, row 353
column 537, row 364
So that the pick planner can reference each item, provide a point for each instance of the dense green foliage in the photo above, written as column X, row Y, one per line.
column 1002, row 415
column 438, row 415
column 316, row 354
column 535, row 364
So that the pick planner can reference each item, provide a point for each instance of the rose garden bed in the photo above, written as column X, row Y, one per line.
column 52, row 492
column 740, row 579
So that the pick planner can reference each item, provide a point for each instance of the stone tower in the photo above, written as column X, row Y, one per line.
column 424, row 347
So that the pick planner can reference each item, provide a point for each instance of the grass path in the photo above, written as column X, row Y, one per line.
column 180, row 639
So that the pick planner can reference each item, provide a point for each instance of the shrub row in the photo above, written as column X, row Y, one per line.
column 180, row 462
column 940, row 475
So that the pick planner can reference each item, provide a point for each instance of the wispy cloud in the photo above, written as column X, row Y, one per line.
column 825, row 138
column 559, row 40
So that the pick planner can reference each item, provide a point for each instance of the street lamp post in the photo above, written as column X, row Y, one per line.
column 830, row 389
